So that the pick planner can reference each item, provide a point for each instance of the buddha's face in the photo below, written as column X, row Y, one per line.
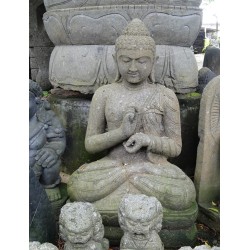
column 32, row 105
column 135, row 66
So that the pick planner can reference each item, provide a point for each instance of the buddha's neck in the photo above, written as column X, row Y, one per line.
column 134, row 86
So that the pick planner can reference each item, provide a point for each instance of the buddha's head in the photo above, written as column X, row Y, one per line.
column 135, row 54
column 140, row 215
column 35, row 93
column 80, row 222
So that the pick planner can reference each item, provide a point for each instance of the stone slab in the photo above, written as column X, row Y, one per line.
column 37, row 33
column 86, row 68
column 42, row 58
column 34, row 74
column 33, row 63
column 168, row 25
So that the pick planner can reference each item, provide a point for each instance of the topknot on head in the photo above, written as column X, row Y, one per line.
column 136, row 28
column 136, row 36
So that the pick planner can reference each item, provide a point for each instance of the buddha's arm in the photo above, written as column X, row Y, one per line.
column 97, row 139
column 169, row 145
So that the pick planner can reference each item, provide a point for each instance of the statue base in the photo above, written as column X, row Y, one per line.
column 178, row 227
column 171, row 238
column 209, row 217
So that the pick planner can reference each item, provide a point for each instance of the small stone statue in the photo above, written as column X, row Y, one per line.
column 140, row 217
column 138, row 121
column 35, row 245
column 46, row 142
column 80, row 225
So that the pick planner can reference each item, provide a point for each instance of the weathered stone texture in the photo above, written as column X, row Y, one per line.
column 62, row 4
column 35, row 245
column 207, row 173
column 81, row 227
column 86, row 68
column 85, row 26
column 40, row 45
column 88, row 64
column 140, row 217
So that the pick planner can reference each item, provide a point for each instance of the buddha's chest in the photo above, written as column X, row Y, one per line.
column 118, row 105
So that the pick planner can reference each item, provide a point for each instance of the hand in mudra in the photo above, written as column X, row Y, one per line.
column 46, row 157
column 129, row 122
column 136, row 142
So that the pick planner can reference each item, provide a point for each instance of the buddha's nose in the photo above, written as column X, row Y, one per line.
column 132, row 66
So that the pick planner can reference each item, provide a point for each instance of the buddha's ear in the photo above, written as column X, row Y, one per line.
column 156, row 58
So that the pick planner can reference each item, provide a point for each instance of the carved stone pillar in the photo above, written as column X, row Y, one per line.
column 84, row 32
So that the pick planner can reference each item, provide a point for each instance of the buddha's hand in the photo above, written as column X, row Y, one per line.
column 129, row 122
column 46, row 157
column 136, row 141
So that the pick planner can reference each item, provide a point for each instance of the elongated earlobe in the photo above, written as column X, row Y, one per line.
column 118, row 75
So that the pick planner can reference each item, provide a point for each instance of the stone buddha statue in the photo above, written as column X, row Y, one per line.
column 138, row 122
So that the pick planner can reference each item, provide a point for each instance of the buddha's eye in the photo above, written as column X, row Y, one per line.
column 125, row 59
column 142, row 60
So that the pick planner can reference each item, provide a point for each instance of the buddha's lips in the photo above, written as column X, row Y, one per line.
column 133, row 74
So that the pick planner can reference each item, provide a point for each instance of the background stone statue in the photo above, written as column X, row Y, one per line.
column 46, row 142
column 139, row 123
column 207, row 172
column 140, row 217
column 80, row 225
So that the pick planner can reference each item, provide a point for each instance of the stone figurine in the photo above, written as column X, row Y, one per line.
column 140, row 217
column 46, row 142
column 212, row 59
column 35, row 245
column 205, row 75
column 139, row 123
column 207, row 172
column 81, row 227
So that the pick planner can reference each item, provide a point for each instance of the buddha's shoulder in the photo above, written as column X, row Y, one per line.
column 105, row 89
column 169, row 93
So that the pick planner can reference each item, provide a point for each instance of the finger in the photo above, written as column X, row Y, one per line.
column 49, row 163
column 47, row 160
column 130, row 142
column 43, row 158
column 133, row 149
column 40, row 154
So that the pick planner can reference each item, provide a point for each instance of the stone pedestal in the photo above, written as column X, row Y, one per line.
column 84, row 33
